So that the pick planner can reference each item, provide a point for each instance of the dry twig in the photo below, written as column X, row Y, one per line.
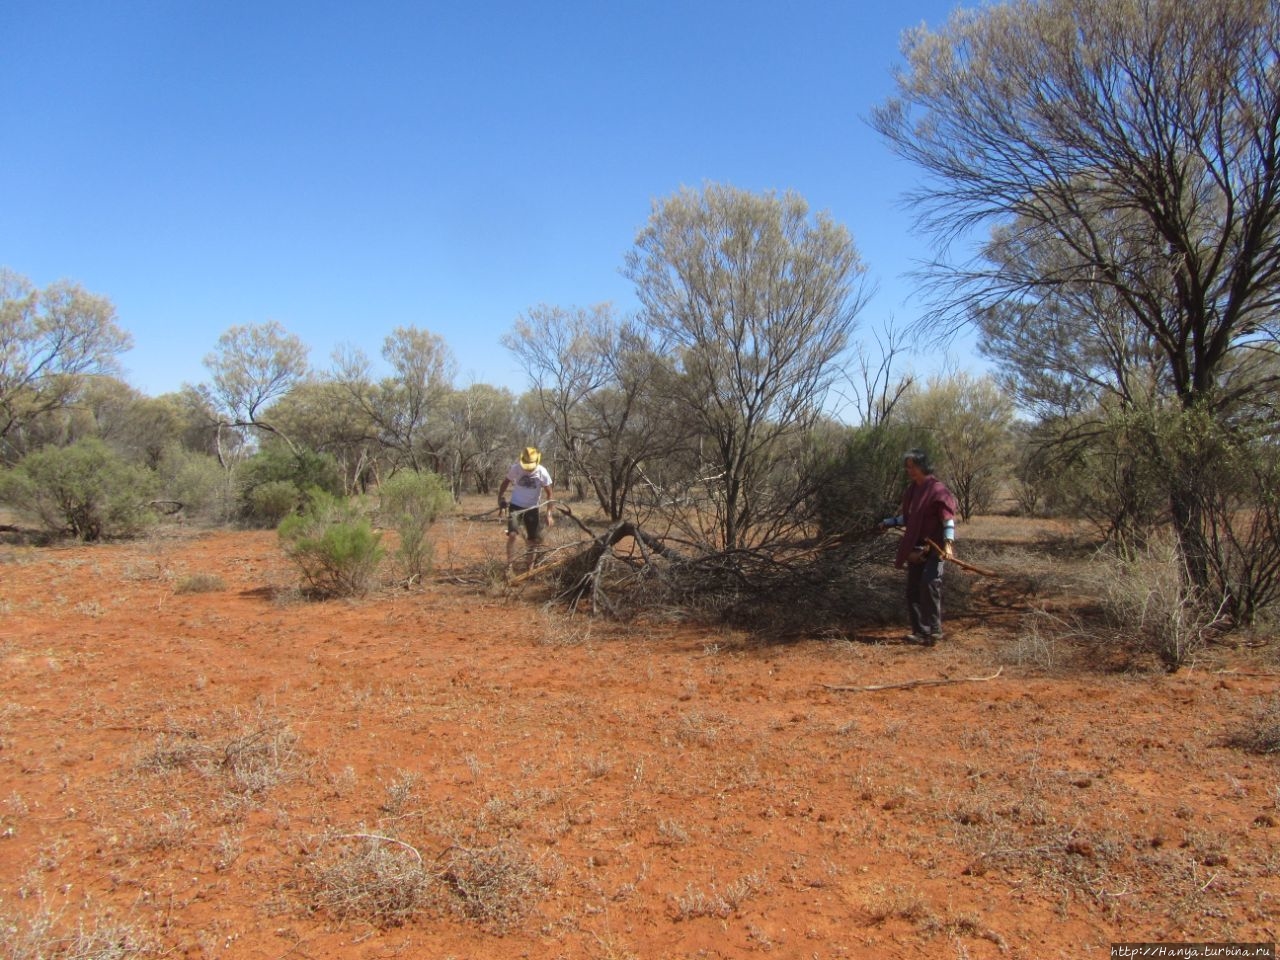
column 906, row 684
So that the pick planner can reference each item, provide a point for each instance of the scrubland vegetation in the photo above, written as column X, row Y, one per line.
column 721, row 456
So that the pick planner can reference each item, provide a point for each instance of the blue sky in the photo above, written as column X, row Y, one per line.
column 346, row 168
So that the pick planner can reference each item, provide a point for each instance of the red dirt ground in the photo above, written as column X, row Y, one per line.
column 194, row 757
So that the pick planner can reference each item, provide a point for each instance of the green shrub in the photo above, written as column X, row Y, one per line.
column 333, row 545
column 859, row 477
column 84, row 489
column 198, row 482
column 273, row 501
column 410, row 503
column 275, row 463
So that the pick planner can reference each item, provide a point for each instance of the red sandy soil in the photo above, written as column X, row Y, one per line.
column 192, row 754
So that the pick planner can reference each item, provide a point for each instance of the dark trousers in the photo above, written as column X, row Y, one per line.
column 924, row 596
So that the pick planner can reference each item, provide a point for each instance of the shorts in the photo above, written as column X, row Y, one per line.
column 530, row 520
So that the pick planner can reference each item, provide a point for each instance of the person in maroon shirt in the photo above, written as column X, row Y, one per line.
column 928, row 514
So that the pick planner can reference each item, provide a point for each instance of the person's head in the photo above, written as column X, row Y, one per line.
column 529, row 459
column 917, row 464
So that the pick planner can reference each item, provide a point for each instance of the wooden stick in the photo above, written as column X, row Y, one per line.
column 544, row 567
column 961, row 563
column 912, row 683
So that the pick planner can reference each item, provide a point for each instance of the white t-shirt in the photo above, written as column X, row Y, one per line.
column 527, row 485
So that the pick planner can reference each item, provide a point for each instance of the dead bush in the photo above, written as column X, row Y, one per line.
column 379, row 880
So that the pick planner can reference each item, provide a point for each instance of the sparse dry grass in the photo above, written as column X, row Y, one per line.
column 620, row 790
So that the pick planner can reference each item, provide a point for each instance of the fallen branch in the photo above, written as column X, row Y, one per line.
column 600, row 545
column 906, row 684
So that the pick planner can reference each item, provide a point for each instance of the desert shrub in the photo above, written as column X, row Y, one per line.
column 84, row 489
column 410, row 503
column 1150, row 604
column 1261, row 735
column 334, row 546
column 45, row 933
column 375, row 879
column 495, row 885
column 275, row 464
column 859, row 479
column 272, row 501
column 197, row 481
column 200, row 583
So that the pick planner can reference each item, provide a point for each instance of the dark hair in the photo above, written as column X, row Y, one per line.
column 920, row 458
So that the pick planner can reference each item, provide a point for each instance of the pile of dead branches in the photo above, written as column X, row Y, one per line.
column 627, row 569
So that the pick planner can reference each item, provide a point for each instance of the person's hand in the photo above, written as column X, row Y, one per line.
column 551, row 519
column 915, row 556
column 948, row 549
column 502, row 503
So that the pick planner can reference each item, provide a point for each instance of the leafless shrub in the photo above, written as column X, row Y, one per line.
column 263, row 754
column 494, row 884
column 46, row 934
column 400, row 792
column 257, row 754
column 718, row 903
column 1040, row 641
column 168, row 831
column 379, row 880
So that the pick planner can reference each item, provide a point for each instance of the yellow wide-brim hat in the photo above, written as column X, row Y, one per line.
column 530, row 458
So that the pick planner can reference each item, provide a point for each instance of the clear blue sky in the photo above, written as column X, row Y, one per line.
column 346, row 168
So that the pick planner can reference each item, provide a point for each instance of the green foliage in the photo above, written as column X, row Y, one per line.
column 411, row 502
column 84, row 489
column 333, row 545
column 271, row 502
column 1098, row 468
column 197, row 481
column 969, row 423
column 274, row 465
column 860, row 477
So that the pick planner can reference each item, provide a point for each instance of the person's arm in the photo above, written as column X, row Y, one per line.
column 551, row 495
column 948, row 531
column 502, row 500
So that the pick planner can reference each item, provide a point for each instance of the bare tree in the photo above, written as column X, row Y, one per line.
column 49, row 341
column 757, row 298
column 480, row 435
column 405, row 408
column 593, row 374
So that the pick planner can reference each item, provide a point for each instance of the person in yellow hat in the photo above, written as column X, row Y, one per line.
column 527, row 479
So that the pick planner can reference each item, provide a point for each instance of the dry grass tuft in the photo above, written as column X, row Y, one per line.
column 1262, row 734
column 200, row 583
column 47, row 934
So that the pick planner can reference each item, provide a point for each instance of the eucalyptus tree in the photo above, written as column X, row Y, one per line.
column 405, row 409
column 251, row 368
column 1128, row 152
column 50, row 341
column 757, row 299
column 480, row 436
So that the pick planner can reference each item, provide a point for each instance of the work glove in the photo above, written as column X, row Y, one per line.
column 948, row 549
